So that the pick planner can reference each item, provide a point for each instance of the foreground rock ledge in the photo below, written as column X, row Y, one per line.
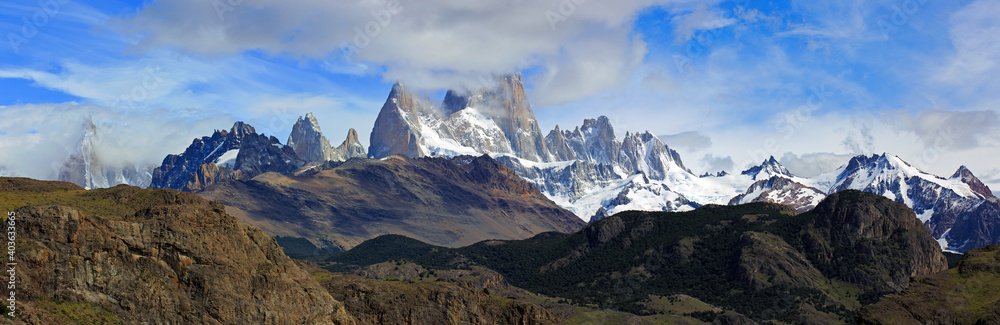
column 187, row 263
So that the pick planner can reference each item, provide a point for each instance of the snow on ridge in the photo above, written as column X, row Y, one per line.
column 228, row 159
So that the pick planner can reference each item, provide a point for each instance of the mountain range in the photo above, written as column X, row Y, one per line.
column 586, row 170
column 592, row 173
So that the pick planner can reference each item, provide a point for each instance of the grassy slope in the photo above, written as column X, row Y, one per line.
column 966, row 294
column 112, row 203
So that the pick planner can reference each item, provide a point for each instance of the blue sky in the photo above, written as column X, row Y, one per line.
column 724, row 82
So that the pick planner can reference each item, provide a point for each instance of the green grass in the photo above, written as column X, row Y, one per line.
column 77, row 313
column 113, row 203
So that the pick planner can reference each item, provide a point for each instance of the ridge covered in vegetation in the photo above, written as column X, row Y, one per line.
column 761, row 260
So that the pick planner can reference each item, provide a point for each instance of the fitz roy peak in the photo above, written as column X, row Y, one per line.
column 583, row 170
column 493, row 121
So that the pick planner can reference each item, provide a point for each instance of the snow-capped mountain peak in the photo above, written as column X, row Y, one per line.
column 965, row 175
column 767, row 169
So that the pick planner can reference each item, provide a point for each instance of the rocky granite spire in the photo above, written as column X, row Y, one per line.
column 558, row 146
column 351, row 147
column 397, row 128
column 308, row 141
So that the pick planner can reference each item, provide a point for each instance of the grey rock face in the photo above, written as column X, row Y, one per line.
column 308, row 142
column 180, row 261
column 397, row 128
column 515, row 118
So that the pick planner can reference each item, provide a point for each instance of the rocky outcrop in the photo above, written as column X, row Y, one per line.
column 937, row 201
column 472, row 298
column 558, row 146
column 781, row 190
column 770, row 167
column 508, row 106
column 644, row 152
column 493, row 120
column 890, row 241
column 597, row 140
column 977, row 227
column 762, row 260
column 261, row 154
column 767, row 260
column 308, row 142
column 454, row 101
column 177, row 259
column 209, row 174
column 176, row 170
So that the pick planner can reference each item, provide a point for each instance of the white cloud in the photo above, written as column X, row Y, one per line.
column 582, row 48
column 976, row 50
column 713, row 164
column 953, row 129
column 690, row 140
column 704, row 18
column 812, row 164
column 38, row 138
